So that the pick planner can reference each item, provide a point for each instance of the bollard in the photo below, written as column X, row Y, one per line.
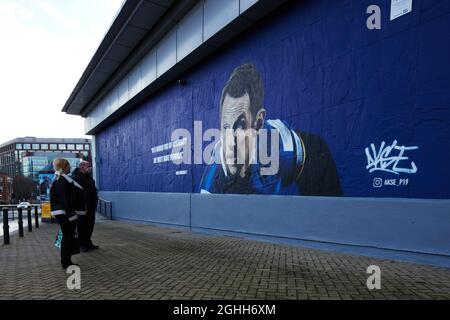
column 5, row 226
column 36, row 217
column 30, row 225
column 20, row 223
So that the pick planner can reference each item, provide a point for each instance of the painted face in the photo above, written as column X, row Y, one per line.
column 238, row 137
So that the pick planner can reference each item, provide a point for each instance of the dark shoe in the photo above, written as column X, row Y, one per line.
column 93, row 247
column 84, row 249
column 66, row 265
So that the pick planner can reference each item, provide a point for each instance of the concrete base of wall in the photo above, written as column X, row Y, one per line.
column 399, row 229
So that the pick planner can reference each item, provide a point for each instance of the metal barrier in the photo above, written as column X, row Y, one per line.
column 12, row 207
column 5, row 226
column 104, row 208
column 20, row 222
column 5, row 209
column 30, row 226
column 36, row 217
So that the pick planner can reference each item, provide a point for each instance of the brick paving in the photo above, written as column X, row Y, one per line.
column 146, row 262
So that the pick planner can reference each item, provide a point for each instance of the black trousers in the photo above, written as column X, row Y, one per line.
column 86, row 228
column 68, row 230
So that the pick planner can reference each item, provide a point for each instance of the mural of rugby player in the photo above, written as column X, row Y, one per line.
column 306, row 166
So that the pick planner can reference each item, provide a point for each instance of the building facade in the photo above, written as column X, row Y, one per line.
column 5, row 188
column 33, row 163
column 358, row 114
column 26, row 156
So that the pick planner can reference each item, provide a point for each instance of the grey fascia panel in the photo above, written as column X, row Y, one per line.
column 229, row 32
column 246, row 4
column 112, row 103
column 166, row 54
column 190, row 32
column 148, row 68
column 260, row 8
column 134, row 81
column 123, row 92
column 217, row 14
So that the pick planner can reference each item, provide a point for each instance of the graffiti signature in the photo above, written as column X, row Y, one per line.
column 382, row 160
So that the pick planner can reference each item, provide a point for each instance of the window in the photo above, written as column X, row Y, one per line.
column 27, row 146
column 62, row 147
column 19, row 146
column 70, row 147
column 87, row 147
column 44, row 146
column 53, row 146
column 35, row 146
column 79, row 147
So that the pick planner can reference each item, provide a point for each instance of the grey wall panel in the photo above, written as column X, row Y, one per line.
column 167, row 208
column 112, row 101
column 405, row 229
column 190, row 32
column 398, row 224
column 134, row 81
column 166, row 56
column 123, row 92
column 148, row 68
column 217, row 14
column 246, row 4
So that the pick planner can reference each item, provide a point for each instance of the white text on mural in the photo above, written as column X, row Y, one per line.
column 390, row 158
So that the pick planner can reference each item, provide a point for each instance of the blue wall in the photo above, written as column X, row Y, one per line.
column 326, row 74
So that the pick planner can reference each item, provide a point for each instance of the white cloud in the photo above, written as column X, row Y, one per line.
column 43, row 52
column 59, row 16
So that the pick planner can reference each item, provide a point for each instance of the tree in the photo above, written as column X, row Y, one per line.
column 23, row 187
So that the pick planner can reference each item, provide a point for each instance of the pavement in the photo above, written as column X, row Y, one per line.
column 153, row 263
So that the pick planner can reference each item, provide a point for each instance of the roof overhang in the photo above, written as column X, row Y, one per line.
column 133, row 22
column 123, row 48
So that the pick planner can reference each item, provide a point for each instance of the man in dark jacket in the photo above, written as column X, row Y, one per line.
column 82, row 176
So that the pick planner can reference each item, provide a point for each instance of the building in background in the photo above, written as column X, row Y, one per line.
column 34, row 162
column 5, row 188
column 363, row 116
column 27, row 156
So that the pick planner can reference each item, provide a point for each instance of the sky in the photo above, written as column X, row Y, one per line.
column 45, row 45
